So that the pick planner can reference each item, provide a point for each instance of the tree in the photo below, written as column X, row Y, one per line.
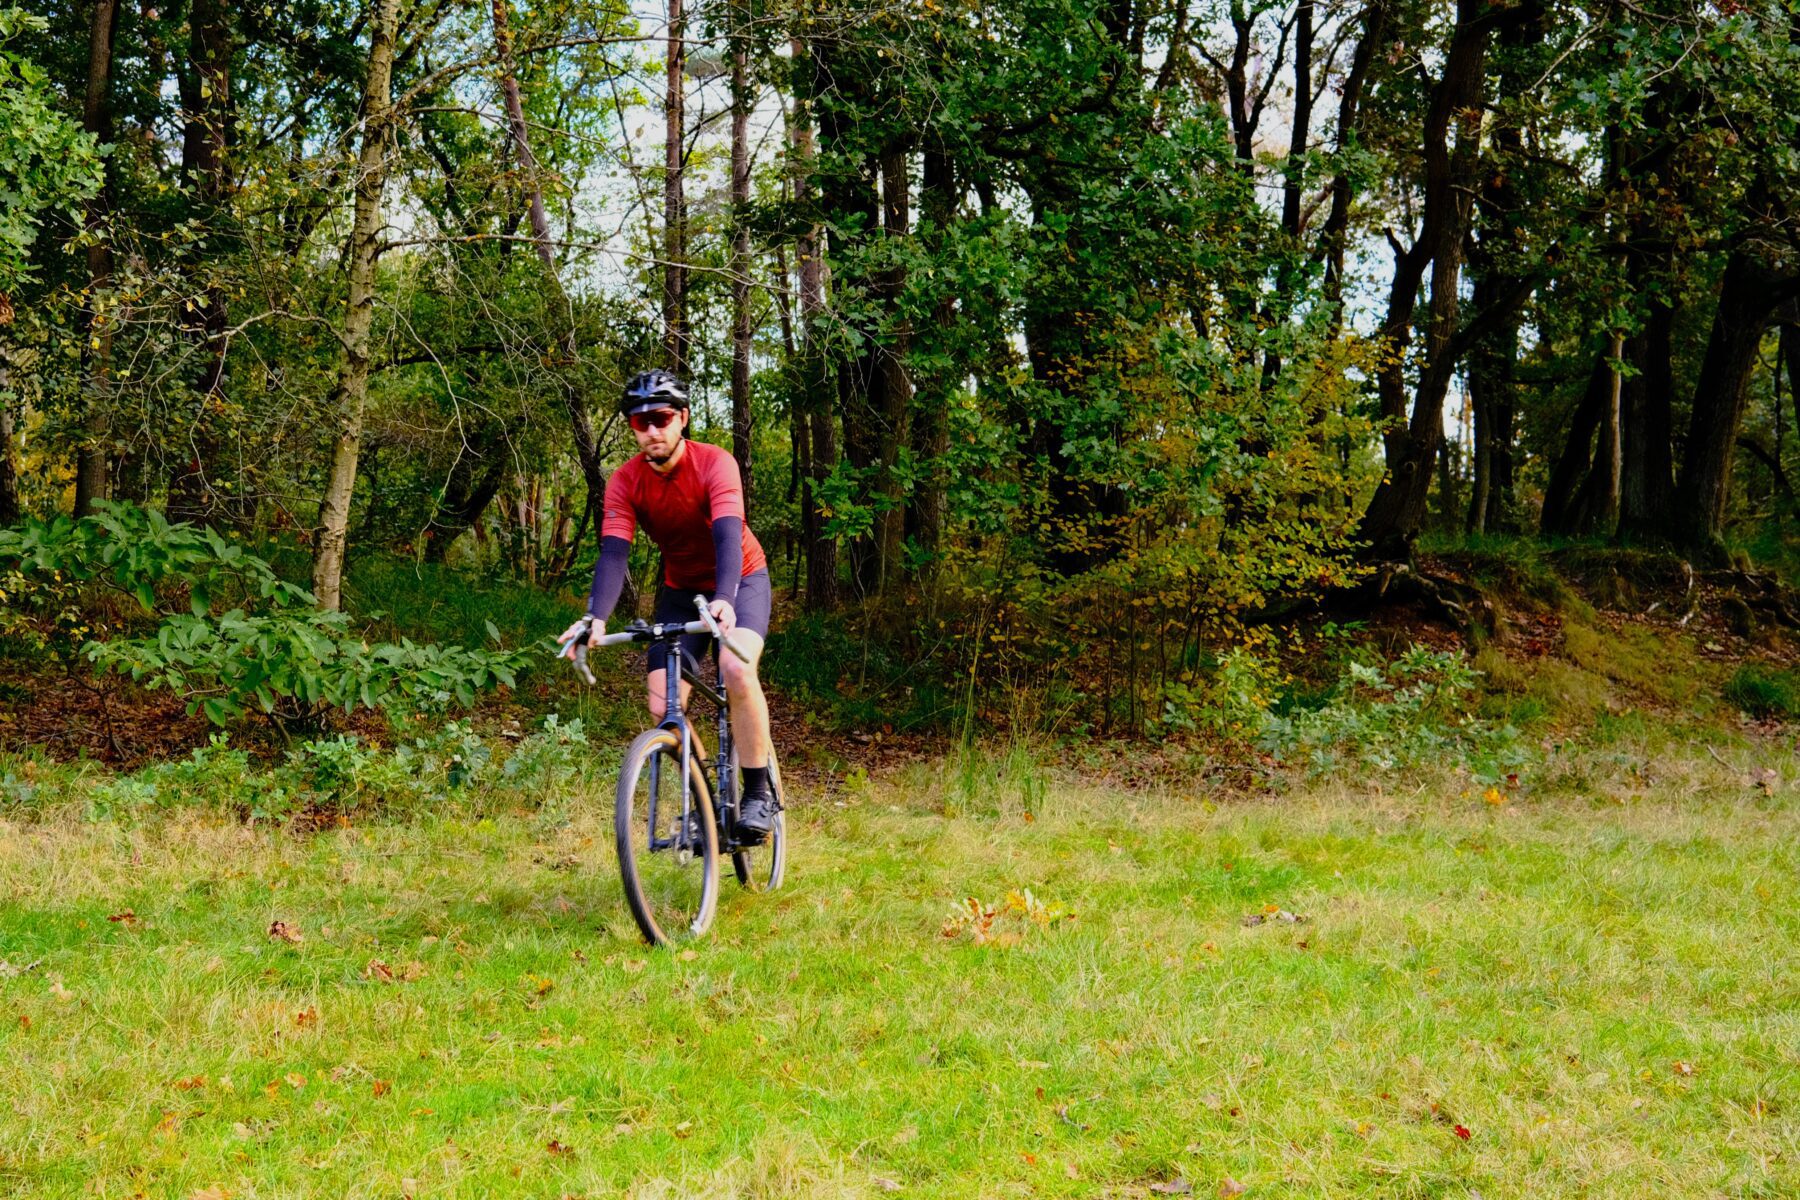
column 47, row 164
column 351, row 394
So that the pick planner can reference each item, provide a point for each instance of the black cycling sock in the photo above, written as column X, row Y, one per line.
column 756, row 779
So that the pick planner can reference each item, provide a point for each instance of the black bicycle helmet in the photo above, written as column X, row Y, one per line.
column 653, row 389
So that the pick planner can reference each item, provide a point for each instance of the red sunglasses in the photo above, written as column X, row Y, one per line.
column 656, row 418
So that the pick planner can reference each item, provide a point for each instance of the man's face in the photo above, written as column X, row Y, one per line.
column 659, row 444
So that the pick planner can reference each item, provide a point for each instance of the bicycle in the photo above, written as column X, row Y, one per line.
column 669, row 809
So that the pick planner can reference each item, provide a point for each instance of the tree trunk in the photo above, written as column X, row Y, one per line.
column 352, row 390
column 675, row 330
column 1790, row 354
column 1647, row 484
column 741, row 324
column 1560, row 516
column 474, row 480
column 931, row 402
column 852, row 202
column 1287, row 278
column 821, row 437
column 9, row 459
column 575, row 399
column 1334, row 236
column 1397, row 510
column 896, row 381
column 192, row 489
column 92, row 454
column 1597, row 505
column 1747, row 295
column 1492, row 396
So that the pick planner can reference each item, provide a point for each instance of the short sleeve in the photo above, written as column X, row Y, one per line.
column 619, row 515
column 724, row 486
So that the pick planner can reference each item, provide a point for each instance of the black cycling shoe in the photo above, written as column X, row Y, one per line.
column 756, row 817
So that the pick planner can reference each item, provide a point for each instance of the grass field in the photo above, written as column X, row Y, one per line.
column 1542, row 996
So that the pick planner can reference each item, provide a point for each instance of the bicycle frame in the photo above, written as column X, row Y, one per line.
column 675, row 719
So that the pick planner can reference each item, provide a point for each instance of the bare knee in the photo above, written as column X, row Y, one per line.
column 740, row 678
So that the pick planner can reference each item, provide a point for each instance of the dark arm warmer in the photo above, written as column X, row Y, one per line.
column 728, row 552
column 609, row 576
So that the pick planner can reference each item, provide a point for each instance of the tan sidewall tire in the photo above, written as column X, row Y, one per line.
column 624, row 815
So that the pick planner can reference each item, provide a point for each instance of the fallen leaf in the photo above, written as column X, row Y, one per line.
column 306, row 1018
column 887, row 1185
column 126, row 918
column 545, row 986
column 281, row 931
column 682, row 1130
column 557, row 1148
column 1462, row 1131
column 378, row 971
column 412, row 972
column 688, row 955
column 1230, row 1187
column 1177, row 1186
column 1684, row 1069
column 409, row 1187
column 1070, row 1171
column 632, row 966
column 191, row 1084
column 215, row 1192
column 1030, row 1158
column 60, row 992
column 381, row 1087
column 1493, row 796
column 296, row 1080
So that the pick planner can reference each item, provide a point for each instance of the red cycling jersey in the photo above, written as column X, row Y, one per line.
column 677, row 510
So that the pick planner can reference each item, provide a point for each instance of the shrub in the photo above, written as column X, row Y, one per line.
column 222, row 628
column 1411, row 712
column 1764, row 692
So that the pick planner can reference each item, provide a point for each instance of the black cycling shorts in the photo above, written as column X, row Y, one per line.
column 755, row 600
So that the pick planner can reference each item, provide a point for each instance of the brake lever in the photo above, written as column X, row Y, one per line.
column 713, row 624
column 581, row 652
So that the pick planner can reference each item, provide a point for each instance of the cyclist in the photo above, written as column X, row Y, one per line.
column 689, row 497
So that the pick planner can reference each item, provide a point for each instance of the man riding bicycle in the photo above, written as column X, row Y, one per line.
column 689, row 497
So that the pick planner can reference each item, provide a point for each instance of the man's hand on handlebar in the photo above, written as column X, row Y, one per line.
column 725, row 615
column 575, row 640
column 586, row 631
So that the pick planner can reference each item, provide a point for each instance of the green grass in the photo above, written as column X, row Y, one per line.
column 1601, row 992
column 1764, row 691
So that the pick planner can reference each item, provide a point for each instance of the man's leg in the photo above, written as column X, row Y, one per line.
column 749, row 709
column 656, row 687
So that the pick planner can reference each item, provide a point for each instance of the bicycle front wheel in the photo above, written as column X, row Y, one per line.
column 761, row 868
column 668, row 854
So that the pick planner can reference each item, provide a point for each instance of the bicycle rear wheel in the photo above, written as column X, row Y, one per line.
column 671, row 885
column 761, row 868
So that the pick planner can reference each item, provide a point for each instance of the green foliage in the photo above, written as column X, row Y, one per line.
column 1764, row 691
column 547, row 756
column 47, row 164
column 295, row 664
column 1415, row 711
column 64, row 581
column 233, row 636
